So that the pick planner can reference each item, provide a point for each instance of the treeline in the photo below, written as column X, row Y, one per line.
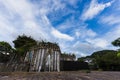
column 108, row 60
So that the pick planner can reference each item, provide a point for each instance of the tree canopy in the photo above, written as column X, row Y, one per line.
column 116, row 42
column 23, row 43
column 5, row 51
column 5, row 46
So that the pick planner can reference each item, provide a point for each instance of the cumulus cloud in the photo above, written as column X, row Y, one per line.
column 98, row 42
column 90, row 45
column 57, row 34
column 112, row 34
column 94, row 9
column 19, row 17
column 113, row 23
column 104, row 42
column 79, row 30
column 84, row 48
column 110, row 20
column 84, row 33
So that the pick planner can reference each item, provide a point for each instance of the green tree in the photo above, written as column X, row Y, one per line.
column 106, row 59
column 5, row 51
column 23, row 44
column 5, row 46
column 116, row 42
column 84, row 58
column 118, row 54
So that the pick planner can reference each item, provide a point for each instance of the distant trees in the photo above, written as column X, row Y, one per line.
column 105, row 60
column 84, row 58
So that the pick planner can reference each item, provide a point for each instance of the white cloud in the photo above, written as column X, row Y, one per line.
column 78, row 34
column 113, row 23
column 83, row 48
column 84, row 33
column 113, row 34
column 50, row 5
column 105, row 40
column 98, row 42
column 91, row 33
column 14, row 7
column 78, row 30
column 110, row 20
column 94, row 9
column 19, row 17
column 58, row 34
column 91, row 45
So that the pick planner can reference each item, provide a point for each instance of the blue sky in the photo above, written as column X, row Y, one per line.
column 78, row 26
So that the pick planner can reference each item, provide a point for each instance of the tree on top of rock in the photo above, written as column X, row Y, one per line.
column 23, row 44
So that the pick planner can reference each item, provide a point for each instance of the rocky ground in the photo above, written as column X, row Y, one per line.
column 71, row 75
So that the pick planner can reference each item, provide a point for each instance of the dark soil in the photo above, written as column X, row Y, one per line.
column 70, row 75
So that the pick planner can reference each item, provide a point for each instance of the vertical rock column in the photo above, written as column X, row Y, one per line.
column 41, row 59
column 35, row 60
column 52, row 62
column 58, row 61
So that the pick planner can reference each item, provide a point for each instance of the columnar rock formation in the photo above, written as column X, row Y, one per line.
column 44, row 57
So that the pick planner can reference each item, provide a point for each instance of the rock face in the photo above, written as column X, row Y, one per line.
column 45, row 56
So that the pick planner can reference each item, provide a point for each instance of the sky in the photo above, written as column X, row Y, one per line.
column 78, row 26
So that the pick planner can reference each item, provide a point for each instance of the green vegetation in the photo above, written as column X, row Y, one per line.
column 105, row 59
column 118, row 54
column 100, row 60
column 5, row 51
column 116, row 42
column 23, row 44
column 5, row 46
